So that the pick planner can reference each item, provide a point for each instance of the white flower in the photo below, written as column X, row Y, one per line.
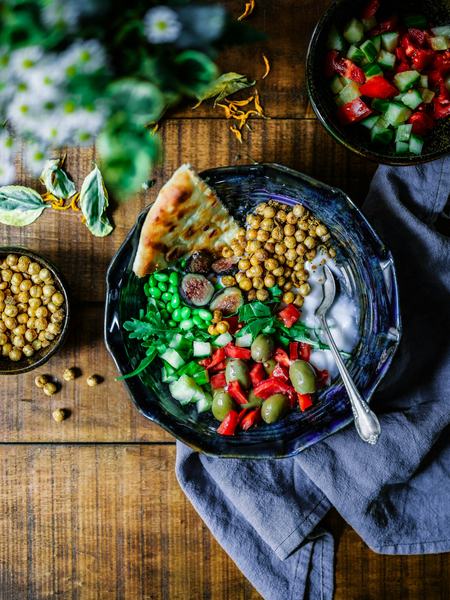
column 35, row 157
column 7, row 153
column 162, row 25
column 7, row 172
column 61, row 13
column 83, row 57
column 22, row 61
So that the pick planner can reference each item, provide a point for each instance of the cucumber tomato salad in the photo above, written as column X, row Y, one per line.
column 391, row 75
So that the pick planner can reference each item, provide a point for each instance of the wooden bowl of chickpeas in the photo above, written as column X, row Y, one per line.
column 34, row 310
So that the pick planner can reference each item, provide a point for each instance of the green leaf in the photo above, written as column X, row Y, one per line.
column 145, row 362
column 20, row 205
column 56, row 180
column 143, row 101
column 224, row 86
column 94, row 202
column 195, row 72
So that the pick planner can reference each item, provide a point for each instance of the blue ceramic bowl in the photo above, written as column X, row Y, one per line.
column 369, row 276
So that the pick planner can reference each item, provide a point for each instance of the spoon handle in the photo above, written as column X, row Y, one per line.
column 366, row 421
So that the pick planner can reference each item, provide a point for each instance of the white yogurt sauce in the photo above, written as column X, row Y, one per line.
column 342, row 318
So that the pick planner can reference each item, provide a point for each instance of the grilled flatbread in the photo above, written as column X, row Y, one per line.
column 187, row 216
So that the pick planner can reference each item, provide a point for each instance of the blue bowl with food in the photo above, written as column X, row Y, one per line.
column 210, row 310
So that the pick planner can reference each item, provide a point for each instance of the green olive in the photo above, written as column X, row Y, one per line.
column 269, row 366
column 262, row 348
column 303, row 377
column 237, row 370
column 222, row 404
column 274, row 408
column 254, row 400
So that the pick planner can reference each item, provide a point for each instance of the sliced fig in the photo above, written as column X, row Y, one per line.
column 196, row 289
column 200, row 262
column 223, row 266
column 228, row 301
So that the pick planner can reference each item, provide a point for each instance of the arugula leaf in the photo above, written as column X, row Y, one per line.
column 225, row 85
column 145, row 362
column 56, row 180
column 254, row 310
column 20, row 206
column 94, row 202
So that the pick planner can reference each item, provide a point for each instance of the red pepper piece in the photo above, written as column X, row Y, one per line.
column 229, row 424
column 353, row 112
column 236, row 392
column 218, row 381
column 403, row 66
column 289, row 315
column 281, row 372
column 417, row 37
column 205, row 362
column 420, row 59
column 233, row 323
column 335, row 63
column 304, row 401
column 384, row 26
column 219, row 367
column 281, row 357
column 322, row 377
column 441, row 108
column 293, row 350
column 442, row 62
column 217, row 357
column 257, row 374
column 305, row 351
column 251, row 418
column 378, row 87
column 331, row 62
column 370, row 10
column 235, row 352
column 272, row 386
column 421, row 123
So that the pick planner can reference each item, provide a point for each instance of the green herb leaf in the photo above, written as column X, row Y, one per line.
column 225, row 85
column 254, row 310
column 56, row 180
column 20, row 205
column 140, row 98
column 145, row 362
column 94, row 202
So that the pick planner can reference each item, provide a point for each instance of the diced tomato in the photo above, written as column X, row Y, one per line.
column 251, row 418
column 378, row 87
column 257, row 374
column 233, row 323
column 420, row 59
column 304, row 401
column 235, row 390
column 384, row 26
column 219, row 367
column 403, row 66
column 272, row 386
column 401, row 54
column 421, row 123
column 370, row 10
column 293, row 350
column 417, row 37
column 336, row 64
column 235, row 352
column 322, row 377
column 281, row 372
column 289, row 315
column 441, row 62
column 441, row 108
column 229, row 424
column 205, row 362
column 435, row 80
column 305, row 351
column 353, row 112
column 218, row 381
column 281, row 357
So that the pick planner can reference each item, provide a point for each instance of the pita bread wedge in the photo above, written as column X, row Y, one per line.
column 187, row 216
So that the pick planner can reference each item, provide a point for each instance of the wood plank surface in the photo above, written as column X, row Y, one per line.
column 111, row 523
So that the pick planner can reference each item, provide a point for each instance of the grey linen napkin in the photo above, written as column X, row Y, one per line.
column 266, row 514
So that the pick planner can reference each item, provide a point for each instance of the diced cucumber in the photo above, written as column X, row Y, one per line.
column 415, row 144
column 386, row 59
column 380, row 104
column 401, row 147
column 380, row 132
column 178, row 342
column 412, row 99
column 427, row 95
column 356, row 55
column 405, row 80
column 372, row 71
column 185, row 390
column 396, row 114
column 223, row 339
column 369, row 51
column 424, row 81
column 441, row 30
column 201, row 377
column 168, row 373
column 417, row 21
column 336, row 84
column 376, row 41
column 349, row 93
column 354, row 32
column 397, row 98
column 335, row 40
column 439, row 43
column 369, row 24
column 389, row 40
column 201, row 349
column 369, row 122
column 244, row 341
column 172, row 357
column 403, row 133
column 204, row 404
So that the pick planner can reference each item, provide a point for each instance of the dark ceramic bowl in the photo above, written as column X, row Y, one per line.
column 7, row 367
column 369, row 276
column 356, row 138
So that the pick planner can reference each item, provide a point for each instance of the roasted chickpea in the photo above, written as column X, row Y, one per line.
column 245, row 284
column 269, row 281
column 311, row 254
column 50, row 388
column 298, row 300
column 54, row 328
column 281, row 216
column 41, row 324
column 16, row 279
column 252, row 234
column 22, row 318
column 25, row 285
column 278, row 272
column 291, row 218
column 262, row 295
column 253, row 246
column 48, row 291
column 3, row 285
column 30, row 335
column 262, row 236
column 281, row 281
column 291, row 256
column 23, row 297
column 289, row 229
column 226, row 253
column 3, row 327
column 261, row 254
column 36, row 279
column 2, row 296
column 45, row 343
column 260, row 208
column 271, row 264
column 288, row 297
column 300, row 235
column 49, row 336
column 254, row 221
column 212, row 330
column 10, row 310
column 222, row 326
column 19, row 330
column 277, row 234
column 35, row 291
column 36, row 344
column 280, row 248
column 23, row 263
column 52, row 307
column 300, row 249
column 258, row 283
column 3, row 339
column 28, row 350
column 304, row 289
column 239, row 276
column 217, row 316
column 238, row 248
column 303, row 225
column 15, row 354
column 267, row 224
column 310, row 242
column 254, row 260
column 34, row 303
column 251, row 295
column 270, row 247
column 45, row 274
column 290, row 242
column 269, row 212
column 244, row 264
column 58, row 299
column 299, row 210
column 34, row 268
column 227, row 280
column 12, row 260
column 287, row 286
column 321, row 230
column 256, row 271
column 332, row 252
column 10, row 322
column 241, row 232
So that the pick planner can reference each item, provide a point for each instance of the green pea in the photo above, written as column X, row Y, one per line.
column 161, row 276
column 162, row 286
column 172, row 323
column 204, row 314
column 154, row 292
column 185, row 312
column 169, row 307
column 198, row 321
column 151, row 281
column 187, row 324
column 165, row 315
column 167, row 297
column 174, row 278
column 175, row 302
column 176, row 315
column 173, row 290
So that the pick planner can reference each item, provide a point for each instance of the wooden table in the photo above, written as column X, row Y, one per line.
column 90, row 508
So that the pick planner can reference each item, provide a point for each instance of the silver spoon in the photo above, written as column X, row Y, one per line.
column 366, row 421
